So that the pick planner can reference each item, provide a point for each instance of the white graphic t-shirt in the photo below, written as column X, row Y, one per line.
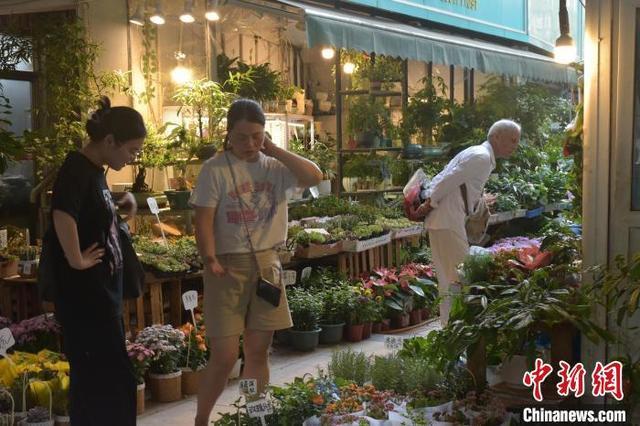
column 262, row 185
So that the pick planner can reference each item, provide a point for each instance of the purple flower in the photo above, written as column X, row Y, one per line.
column 514, row 243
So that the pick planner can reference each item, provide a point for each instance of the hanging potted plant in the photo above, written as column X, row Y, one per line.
column 194, row 356
column 164, row 373
column 140, row 357
column 305, row 313
column 335, row 308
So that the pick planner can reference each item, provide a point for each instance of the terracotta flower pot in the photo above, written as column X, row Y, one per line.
column 166, row 387
column 366, row 330
column 190, row 381
column 415, row 317
column 353, row 333
column 140, row 399
column 400, row 321
column 425, row 314
column 377, row 327
column 385, row 325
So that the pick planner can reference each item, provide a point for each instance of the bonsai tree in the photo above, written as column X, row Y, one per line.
column 427, row 112
column 153, row 154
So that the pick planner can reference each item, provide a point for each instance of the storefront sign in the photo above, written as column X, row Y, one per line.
column 469, row 4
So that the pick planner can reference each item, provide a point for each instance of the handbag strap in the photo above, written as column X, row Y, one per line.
column 242, row 207
column 463, row 191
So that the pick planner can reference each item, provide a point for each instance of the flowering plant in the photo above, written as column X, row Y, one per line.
column 37, row 333
column 166, row 343
column 140, row 357
column 195, row 352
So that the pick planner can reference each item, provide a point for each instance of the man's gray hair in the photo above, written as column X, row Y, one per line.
column 501, row 127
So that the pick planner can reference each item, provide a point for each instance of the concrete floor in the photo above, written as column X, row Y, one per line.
column 285, row 366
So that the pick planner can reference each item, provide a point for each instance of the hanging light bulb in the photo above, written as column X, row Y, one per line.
column 187, row 15
column 349, row 67
column 181, row 75
column 158, row 17
column 565, row 50
column 137, row 18
column 211, row 12
column 328, row 53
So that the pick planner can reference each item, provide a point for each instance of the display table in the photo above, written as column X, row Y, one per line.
column 19, row 299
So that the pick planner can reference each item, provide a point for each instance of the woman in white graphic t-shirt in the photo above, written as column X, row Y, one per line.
column 241, row 217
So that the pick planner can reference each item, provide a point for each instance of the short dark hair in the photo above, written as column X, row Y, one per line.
column 243, row 109
column 122, row 122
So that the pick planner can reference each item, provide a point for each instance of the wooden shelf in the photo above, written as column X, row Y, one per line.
column 348, row 151
column 373, row 191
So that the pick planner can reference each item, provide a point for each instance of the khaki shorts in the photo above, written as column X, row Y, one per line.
column 230, row 302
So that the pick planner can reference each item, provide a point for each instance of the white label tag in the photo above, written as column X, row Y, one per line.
column 153, row 205
column 393, row 342
column 248, row 386
column 3, row 239
column 259, row 408
column 6, row 341
column 289, row 277
column 26, row 268
column 306, row 273
column 190, row 300
column 315, row 192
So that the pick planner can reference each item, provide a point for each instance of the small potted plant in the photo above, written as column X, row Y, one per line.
column 8, row 265
column 152, row 156
column 366, row 119
column 181, row 151
column 194, row 356
column 60, row 394
column 335, row 308
column 28, row 263
column 305, row 312
column 7, row 407
column 39, row 416
column 400, row 304
column 164, row 372
column 354, row 331
column 140, row 357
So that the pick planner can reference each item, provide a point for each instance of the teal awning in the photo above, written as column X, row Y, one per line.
column 387, row 37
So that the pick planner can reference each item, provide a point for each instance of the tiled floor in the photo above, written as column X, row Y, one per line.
column 285, row 366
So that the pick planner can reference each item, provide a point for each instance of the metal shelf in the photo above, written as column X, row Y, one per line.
column 356, row 150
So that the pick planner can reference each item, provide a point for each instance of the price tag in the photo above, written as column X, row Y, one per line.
column 6, row 341
column 153, row 205
column 306, row 273
column 289, row 277
column 315, row 192
column 190, row 300
column 3, row 239
column 259, row 408
column 248, row 386
column 393, row 342
column 26, row 268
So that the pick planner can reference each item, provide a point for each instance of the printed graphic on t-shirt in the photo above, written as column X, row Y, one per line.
column 113, row 242
column 258, row 204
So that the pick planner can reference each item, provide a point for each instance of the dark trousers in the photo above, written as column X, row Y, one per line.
column 102, row 382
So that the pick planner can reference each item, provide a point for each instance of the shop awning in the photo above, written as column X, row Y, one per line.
column 387, row 37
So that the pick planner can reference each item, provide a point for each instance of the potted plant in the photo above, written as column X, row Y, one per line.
column 151, row 156
column 140, row 357
column 355, row 322
column 39, row 416
column 426, row 113
column 60, row 394
column 382, row 71
column 305, row 313
column 182, row 149
column 164, row 372
column 7, row 407
column 28, row 261
column 335, row 308
column 400, row 304
column 366, row 119
column 194, row 356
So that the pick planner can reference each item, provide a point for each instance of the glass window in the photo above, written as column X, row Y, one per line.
column 635, row 186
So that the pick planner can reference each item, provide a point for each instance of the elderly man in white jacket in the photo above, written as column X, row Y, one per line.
column 445, row 207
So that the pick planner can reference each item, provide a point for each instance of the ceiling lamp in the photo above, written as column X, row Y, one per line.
column 137, row 18
column 158, row 17
column 565, row 51
column 181, row 75
column 211, row 12
column 328, row 53
column 187, row 14
column 349, row 67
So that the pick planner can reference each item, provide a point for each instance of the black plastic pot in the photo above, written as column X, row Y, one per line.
column 305, row 341
column 331, row 333
column 206, row 151
column 178, row 200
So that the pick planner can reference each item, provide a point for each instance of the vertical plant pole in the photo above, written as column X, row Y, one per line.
column 190, row 301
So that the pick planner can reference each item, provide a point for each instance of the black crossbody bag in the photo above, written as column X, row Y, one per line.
column 266, row 290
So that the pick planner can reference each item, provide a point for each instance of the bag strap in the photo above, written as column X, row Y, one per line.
column 463, row 191
column 242, row 207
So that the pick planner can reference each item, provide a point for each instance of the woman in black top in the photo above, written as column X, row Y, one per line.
column 89, row 269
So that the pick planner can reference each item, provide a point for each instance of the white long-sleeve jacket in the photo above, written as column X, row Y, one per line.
column 471, row 167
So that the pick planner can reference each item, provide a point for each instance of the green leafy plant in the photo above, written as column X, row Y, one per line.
column 305, row 309
column 350, row 366
column 336, row 304
column 427, row 112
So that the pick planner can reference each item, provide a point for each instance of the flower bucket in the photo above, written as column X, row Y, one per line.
column 62, row 420
column 331, row 333
column 376, row 327
column 353, row 333
column 366, row 330
column 8, row 268
column 140, row 399
column 166, row 387
column 235, row 372
column 190, row 380
column 305, row 341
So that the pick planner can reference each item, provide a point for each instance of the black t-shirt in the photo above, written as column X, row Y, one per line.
column 81, row 191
